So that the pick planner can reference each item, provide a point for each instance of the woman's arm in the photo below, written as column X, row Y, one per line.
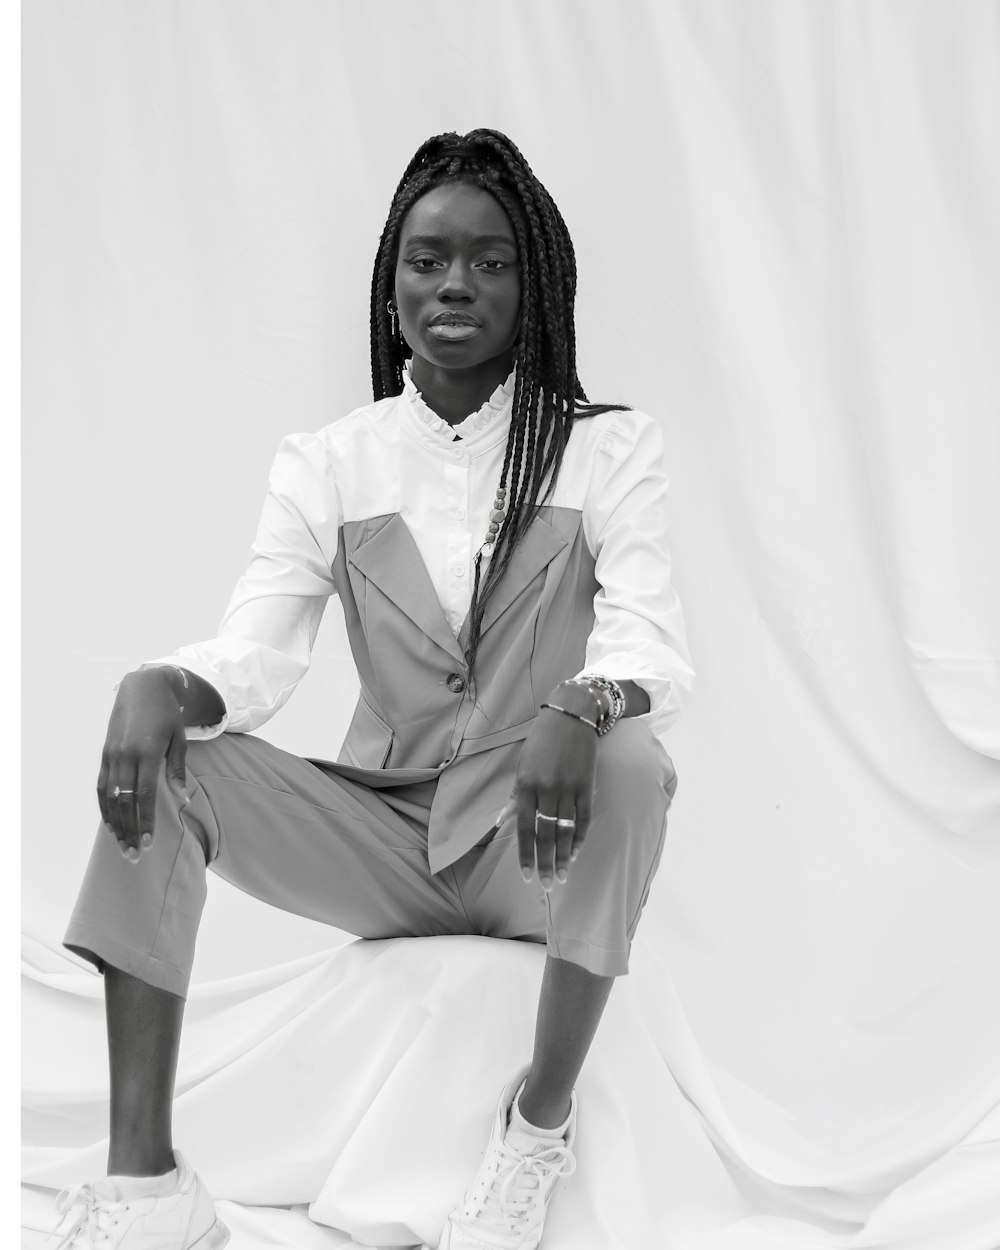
column 638, row 632
column 241, row 677
column 264, row 642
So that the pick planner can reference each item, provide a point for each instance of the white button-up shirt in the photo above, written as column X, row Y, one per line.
column 396, row 455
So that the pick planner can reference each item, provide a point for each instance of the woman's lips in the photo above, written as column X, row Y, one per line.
column 453, row 331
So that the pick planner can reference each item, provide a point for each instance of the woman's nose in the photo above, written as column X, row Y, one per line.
column 456, row 282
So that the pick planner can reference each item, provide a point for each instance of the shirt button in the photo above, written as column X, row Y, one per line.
column 459, row 570
column 461, row 514
column 458, row 454
column 456, row 683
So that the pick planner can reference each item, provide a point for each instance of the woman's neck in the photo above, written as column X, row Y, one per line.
column 454, row 394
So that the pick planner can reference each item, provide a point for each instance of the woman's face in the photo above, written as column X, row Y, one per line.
column 458, row 281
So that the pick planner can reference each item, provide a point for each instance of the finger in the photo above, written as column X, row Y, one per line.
column 114, row 821
column 102, row 792
column 145, row 793
column 113, row 804
column 565, row 828
column 176, row 762
column 545, row 842
column 584, row 804
column 126, row 784
column 524, row 801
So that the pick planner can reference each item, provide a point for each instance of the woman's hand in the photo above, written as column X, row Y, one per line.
column 146, row 728
column 555, row 779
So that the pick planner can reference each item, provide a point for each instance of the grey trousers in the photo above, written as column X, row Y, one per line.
column 301, row 837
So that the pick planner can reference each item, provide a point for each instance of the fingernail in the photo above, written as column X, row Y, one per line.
column 147, row 838
column 123, row 846
column 133, row 854
column 526, row 873
column 560, row 874
column 573, row 855
column 546, row 884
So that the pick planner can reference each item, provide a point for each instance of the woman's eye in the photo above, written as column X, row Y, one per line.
column 495, row 263
column 423, row 262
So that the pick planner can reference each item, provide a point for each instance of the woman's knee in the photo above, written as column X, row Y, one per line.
column 632, row 768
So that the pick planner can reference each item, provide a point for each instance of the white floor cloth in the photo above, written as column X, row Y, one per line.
column 785, row 216
column 357, row 1088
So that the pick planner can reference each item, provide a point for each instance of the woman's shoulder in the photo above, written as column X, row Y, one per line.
column 617, row 430
column 362, row 431
column 373, row 418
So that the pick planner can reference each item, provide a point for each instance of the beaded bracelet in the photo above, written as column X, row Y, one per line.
column 611, row 688
column 598, row 685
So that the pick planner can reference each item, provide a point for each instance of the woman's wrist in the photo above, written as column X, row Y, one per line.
column 597, row 701
column 636, row 699
column 579, row 700
column 197, row 700
column 155, row 674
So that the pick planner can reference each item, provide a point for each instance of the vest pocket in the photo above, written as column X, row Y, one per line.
column 369, row 738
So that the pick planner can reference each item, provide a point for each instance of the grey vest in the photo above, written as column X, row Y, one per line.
column 415, row 719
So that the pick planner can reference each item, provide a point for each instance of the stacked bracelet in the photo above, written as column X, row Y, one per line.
column 576, row 716
column 612, row 689
column 608, row 714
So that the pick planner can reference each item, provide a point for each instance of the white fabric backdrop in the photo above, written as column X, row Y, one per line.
column 786, row 223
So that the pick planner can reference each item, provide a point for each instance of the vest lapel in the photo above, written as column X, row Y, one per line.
column 540, row 545
column 390, row 560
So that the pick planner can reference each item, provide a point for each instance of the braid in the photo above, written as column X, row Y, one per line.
column 548, row 396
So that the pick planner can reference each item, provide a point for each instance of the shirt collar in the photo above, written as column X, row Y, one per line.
column 497, row 406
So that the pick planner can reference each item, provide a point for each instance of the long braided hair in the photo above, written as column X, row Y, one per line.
column 548, row 396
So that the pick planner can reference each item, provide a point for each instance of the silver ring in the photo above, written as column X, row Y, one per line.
column 566, row 824
column 117, row 791
column 541, row 816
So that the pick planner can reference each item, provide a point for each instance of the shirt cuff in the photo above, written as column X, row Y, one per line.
column 194, row 733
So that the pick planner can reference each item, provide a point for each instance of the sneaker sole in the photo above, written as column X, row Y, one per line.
column 216, row 1237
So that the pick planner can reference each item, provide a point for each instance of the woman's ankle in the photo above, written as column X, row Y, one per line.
column 142, row 1161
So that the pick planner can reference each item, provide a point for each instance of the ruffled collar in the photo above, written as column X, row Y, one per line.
column 498, row 405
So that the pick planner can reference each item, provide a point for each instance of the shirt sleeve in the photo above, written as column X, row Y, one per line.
column 639, row 632
column 266, row 636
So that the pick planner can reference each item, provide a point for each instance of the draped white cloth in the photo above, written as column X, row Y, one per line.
column 785, row 217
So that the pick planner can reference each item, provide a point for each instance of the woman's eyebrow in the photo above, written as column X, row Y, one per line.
column 436, row 240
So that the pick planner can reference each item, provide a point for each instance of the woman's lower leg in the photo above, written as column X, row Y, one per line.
column 144, row 1030
column 570, row 1007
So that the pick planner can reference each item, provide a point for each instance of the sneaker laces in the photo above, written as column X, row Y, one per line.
column 94, row 1221
column 506, row 1203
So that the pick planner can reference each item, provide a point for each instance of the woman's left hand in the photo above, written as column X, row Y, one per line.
column 555, row 781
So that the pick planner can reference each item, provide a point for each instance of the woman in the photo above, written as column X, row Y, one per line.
column 498, row 544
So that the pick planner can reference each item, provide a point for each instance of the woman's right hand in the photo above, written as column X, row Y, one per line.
column 146, row 729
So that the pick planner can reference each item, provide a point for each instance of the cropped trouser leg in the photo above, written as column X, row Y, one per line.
column 311, row 842
column 280, row 828
column 591, row 919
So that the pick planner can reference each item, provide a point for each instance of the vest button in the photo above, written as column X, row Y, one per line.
column 456, row 683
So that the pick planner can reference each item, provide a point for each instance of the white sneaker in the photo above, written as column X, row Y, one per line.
column 100, row 1217
column 505, row 1206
